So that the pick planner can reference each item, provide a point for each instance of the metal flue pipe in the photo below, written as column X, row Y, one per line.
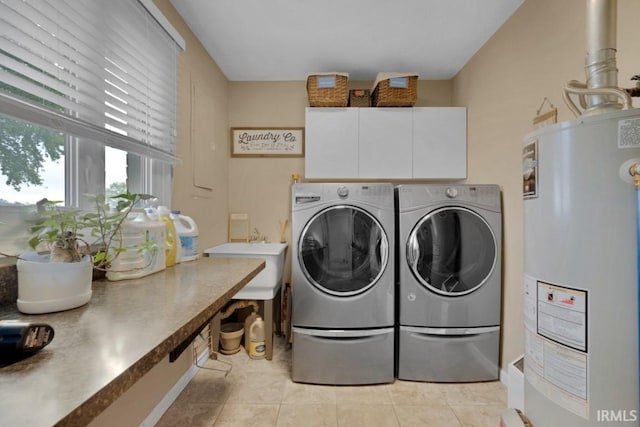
column 600, row 62
column 601, row 93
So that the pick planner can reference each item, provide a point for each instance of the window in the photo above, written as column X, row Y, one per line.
column 87, row 104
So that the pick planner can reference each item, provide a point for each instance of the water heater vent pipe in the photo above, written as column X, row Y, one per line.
column 601, row 93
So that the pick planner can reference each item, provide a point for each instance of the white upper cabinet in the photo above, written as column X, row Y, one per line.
column 331, row 146
column 386, row 143
column 440, row 142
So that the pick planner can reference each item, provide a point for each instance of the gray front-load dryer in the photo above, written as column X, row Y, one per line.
column 449, row 282
column 343, row 283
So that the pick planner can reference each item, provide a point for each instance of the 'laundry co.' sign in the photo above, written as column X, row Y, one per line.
column 261, row 142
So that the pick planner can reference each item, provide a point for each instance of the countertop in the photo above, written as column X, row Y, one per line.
column 102, row 348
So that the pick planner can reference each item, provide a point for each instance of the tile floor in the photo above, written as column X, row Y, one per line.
column 261, row 393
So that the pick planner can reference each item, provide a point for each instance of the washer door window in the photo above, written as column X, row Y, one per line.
column 452, row 251
column 343, row 250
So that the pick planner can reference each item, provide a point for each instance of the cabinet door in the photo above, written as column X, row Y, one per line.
column 440, row 142
column 385, row 143
column 331, row 146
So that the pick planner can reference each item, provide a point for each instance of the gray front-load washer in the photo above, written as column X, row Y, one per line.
column 449, row 282
column 343, row 283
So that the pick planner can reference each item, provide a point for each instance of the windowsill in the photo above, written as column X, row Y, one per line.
column 104, row 347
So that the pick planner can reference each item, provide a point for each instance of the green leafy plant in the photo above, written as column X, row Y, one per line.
column 61, row 230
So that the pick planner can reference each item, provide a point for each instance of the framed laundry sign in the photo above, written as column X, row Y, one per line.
column 267, row 142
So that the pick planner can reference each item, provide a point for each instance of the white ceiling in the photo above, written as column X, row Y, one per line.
column 272, row 40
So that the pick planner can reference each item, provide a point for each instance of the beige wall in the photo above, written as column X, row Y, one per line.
column 201, row 175
column 531, row 57
column 260, row 186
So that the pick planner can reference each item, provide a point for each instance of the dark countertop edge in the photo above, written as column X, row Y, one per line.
column 101, row 400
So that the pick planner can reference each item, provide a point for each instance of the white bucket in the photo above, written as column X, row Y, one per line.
column 47, row 287
column 187, row 231
column 137, row 229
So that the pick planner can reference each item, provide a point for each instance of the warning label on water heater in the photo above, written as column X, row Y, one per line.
column 562, row 315
column 629, row 133
column 556, row 358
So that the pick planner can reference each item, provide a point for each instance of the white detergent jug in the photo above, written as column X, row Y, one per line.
column 137, row 229
column 187, row 231
column 248, row 322
column 256, row 345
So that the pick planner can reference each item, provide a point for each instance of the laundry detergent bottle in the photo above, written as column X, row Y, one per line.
column 187, row 232
column 143, row 237
column 171, row 236
column 257, row 345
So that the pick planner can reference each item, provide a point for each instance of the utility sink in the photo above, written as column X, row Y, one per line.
column 265, row 286
column 267, row 283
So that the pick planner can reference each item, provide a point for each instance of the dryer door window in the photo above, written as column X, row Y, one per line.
column 343, row 250
column 452, row 251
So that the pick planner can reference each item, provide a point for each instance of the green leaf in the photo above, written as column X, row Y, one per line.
column 34, row 241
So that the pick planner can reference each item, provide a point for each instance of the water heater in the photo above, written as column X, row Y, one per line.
column 580, row 272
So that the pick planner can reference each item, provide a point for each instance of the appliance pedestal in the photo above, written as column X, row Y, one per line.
column 351, row 357
column 462, row 355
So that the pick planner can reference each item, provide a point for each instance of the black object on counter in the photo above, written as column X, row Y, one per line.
column 23, row 338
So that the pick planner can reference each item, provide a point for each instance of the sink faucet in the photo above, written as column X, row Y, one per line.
column 255, row 236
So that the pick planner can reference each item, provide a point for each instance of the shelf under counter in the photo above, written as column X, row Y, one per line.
column 102, row 348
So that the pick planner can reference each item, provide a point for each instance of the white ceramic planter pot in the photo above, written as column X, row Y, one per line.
column 47, row 287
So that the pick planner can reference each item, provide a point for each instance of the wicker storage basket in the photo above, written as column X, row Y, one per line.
column 395, row 90
column 328, row 90
column 359, row 98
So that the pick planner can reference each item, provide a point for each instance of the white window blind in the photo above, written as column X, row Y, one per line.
column 103, row 70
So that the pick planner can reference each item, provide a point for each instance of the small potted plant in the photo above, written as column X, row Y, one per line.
column 60, row 278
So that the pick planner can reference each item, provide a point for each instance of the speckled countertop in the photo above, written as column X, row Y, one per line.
column 101, row 349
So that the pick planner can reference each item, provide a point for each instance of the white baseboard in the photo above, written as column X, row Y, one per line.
column 157, row 413
column 504, row 378
column 515, row 385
